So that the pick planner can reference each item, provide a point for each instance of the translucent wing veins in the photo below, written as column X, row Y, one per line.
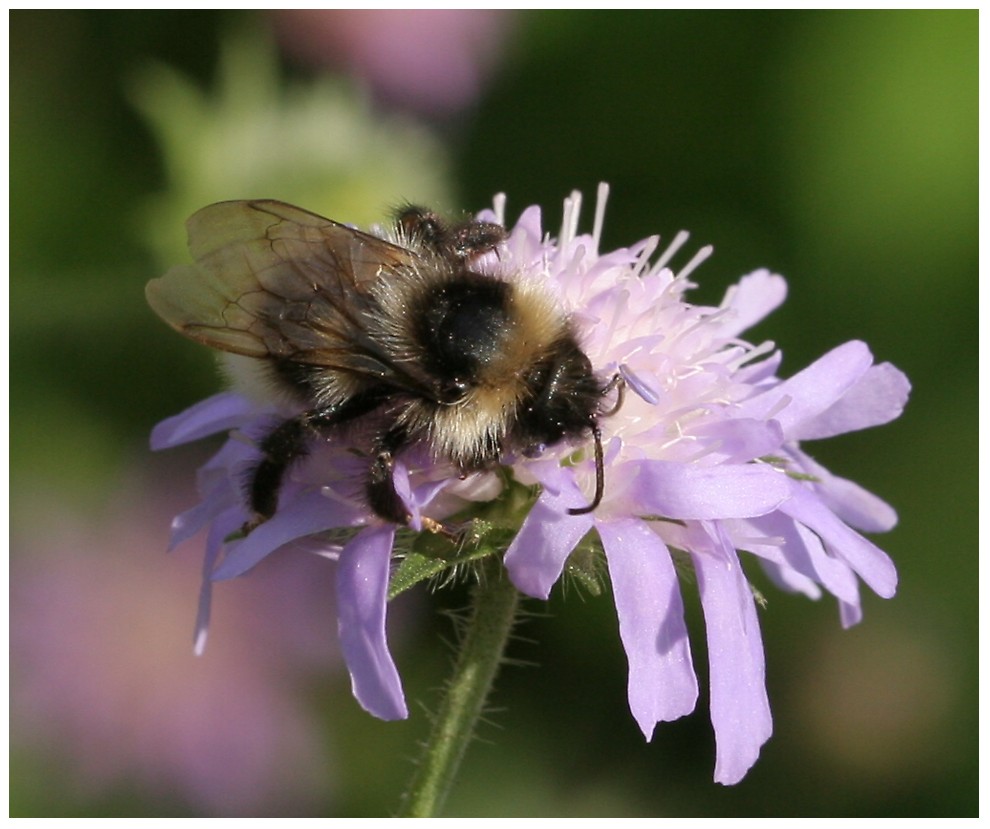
column 273, row 280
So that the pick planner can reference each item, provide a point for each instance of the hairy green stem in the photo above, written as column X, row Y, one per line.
column 493, row 612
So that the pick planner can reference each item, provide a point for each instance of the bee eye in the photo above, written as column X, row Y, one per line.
column 451, row 390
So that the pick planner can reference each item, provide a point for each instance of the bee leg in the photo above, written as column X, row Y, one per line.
column 382, row 497
column 288, row 442
column 279, row 449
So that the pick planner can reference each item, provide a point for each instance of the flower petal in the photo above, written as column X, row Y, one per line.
column 770, row 538
column 802, row 552
column 850, row 613
column 307, row 513
column 362, row 585
column 810, row 392
column 536, row 556
column 215, row 414
column 218, row 498
column 858, row 507
column 222, row 526
column 676, row 490
column 740, row 709
column 662, row 684
column 789, row 579
column 877, row 398
column 755, row 296
column 871, row 563
column 742, row 439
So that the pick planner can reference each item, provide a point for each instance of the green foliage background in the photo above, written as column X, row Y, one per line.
column 837, row 148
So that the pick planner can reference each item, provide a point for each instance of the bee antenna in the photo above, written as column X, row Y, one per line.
column 618, row 383
column 599, row 475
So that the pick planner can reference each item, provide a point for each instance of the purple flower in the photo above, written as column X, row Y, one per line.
column 702, row 461
column 436, row 61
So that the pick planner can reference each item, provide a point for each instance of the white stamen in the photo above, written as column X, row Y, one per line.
column 778, row 407
column 668, row 254
column 572, row 213
column 498, row 204
column 751, row 354
column 683, row 438
column 680, row 436
column 565, row 221
column 600, row 202
column 649, row 248
column 714, row 446
column 696, row 260
column 745, row 542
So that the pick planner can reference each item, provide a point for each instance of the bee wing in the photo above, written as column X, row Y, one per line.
column 273, row 280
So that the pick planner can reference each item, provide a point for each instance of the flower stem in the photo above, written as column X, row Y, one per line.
column 494, row 603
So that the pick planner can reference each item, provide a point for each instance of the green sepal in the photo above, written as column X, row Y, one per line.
column 435, row 556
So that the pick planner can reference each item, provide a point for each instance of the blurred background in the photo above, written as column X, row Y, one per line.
column 837, row 148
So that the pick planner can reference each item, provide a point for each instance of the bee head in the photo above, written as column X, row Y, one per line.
column 564, row 404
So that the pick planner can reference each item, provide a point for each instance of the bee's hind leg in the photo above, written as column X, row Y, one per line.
column 279, row 449
column 290, row 441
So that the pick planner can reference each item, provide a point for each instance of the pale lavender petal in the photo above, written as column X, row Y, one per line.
column 813, row 390
column 804, row 552
column 871, row 563
column 858, row 507
column 530, row 223
column 741, row 439
column 770, row 538
column 362, row 586
column 307, row 513
column 755, row 296
column 221, row 528
column 414, row 498
column 536, row 556
column 215, row 414
column 850, row 613
column 218, row 499
column 757, row 373
column 740, row 709
column 878, row 397
column 676, row 490
column 188, row 523
column 220, row 488
column 525, row 242
column 788, row 579
column 662, row 684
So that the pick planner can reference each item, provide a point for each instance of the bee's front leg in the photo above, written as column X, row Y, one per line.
column 382, row 497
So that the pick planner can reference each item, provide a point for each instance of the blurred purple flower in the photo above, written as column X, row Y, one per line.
column 702, row 461
column 104, row 687
column 433, row 60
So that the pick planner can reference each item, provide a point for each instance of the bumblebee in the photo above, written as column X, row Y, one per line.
column 407, row 332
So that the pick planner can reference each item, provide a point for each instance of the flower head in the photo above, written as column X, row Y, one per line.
column 701, row 459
